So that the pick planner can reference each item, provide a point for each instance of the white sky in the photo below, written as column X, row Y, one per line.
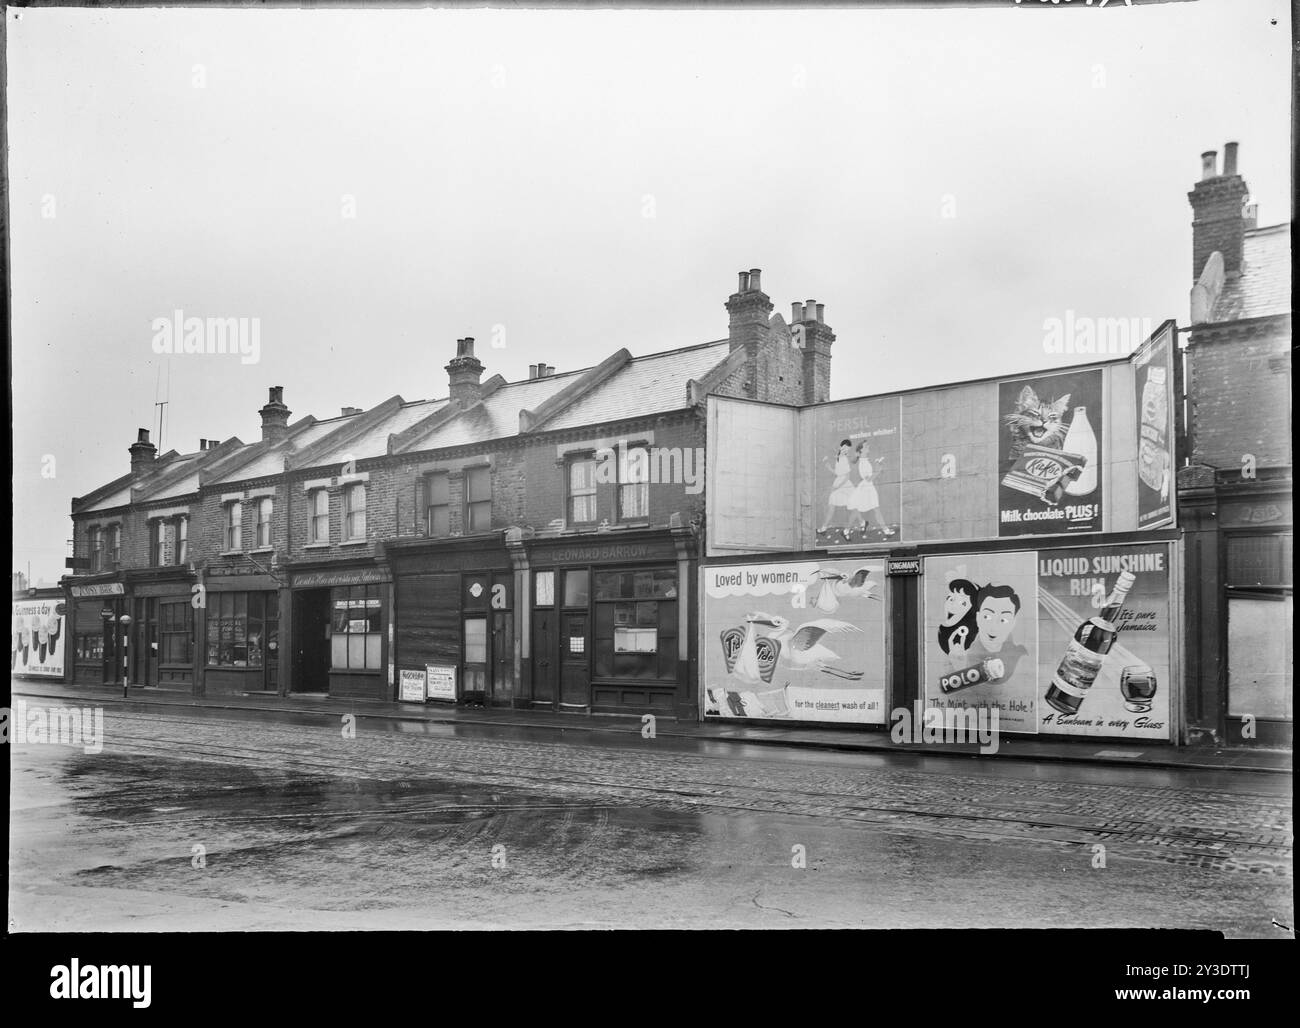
column 500, row 163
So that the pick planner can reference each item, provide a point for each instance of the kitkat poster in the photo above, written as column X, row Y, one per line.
column 1049, row 454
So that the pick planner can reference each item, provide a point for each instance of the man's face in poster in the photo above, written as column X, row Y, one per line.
column 998, row 609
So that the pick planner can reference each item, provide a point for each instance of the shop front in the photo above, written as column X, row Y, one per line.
column 608, row 625
column 163, row 629
column 100, row 638
column 456, row 635
column 339, row 631
column 239, row 625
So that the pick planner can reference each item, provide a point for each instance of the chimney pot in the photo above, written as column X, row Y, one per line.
column 532, row 371
column 821, row 313
column 1209, row 159
column 1229, row 159
column 796, row 312
column 203, row 444
column 743, row 287
column 142, row 435
column 755, row 276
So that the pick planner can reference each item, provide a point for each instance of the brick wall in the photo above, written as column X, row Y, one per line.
column 1239, row 388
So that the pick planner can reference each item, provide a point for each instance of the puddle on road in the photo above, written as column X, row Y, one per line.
column 345, row 844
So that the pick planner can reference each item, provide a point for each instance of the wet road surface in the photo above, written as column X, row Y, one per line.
column 228, row 820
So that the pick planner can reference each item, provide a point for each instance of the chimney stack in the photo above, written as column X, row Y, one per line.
column 464, row 374
column 1219, row 220
column 143, row 453
column 275, row 417
column 349, row 411
column 818, row 338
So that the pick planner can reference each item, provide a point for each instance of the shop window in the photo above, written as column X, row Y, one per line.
column 354, row 512
column 319, row 529
column 582, row 491
column 234, row 526
column 355, row 628
column 176, row 629
column 263, row 530
column 633, row 484
column 636, row 624
column 544, row 589
column 576, row 591
column 437, row 516
column 90, row 646
column 478, row 499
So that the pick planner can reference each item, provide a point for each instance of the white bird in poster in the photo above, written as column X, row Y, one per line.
column 857, row 584
column 802, row 647
column 746, row 665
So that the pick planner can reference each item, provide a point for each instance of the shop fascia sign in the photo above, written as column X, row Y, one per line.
column 323, row 579
column 101, row 589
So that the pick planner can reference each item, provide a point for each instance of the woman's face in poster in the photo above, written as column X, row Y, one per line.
column 955, row 607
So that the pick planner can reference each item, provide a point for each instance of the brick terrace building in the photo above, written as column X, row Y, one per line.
column 534, row 542
column 1235, row 489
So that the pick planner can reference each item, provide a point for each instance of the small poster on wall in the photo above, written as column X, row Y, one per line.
column 1153, row 378
column 412, row 686
column 441, row 682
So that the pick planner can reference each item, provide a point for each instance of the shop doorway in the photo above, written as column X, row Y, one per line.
column 311, row 641
column 144, row 645
column 545, row 640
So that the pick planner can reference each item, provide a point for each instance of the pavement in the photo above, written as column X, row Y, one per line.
column 1011, row 747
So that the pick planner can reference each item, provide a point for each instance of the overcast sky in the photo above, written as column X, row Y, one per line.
column 588, row 180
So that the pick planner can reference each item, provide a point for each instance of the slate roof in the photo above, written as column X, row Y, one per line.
column 1264, row 286
column 621, row 387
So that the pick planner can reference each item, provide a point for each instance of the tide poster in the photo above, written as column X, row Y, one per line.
column 800, row 641
column 856, row 472
column 1129, row 696
column 981, row 636
column 1153, row 379
column 1049, row 454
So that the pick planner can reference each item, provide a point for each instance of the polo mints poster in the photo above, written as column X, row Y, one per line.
column 1049, row 454
column 795, row 641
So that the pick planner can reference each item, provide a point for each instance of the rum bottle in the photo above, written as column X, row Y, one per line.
column 1087, row 651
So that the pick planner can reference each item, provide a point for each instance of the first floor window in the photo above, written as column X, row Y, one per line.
column 354, row 506
column 633, row 483
column 264, row 523
column 182, row 540
column 355, row 628
column 582, row 491
column 320, row 516
column 438, row 512
column 96, row 549
column 478, row 499
column 115, row 546
column 234, row 526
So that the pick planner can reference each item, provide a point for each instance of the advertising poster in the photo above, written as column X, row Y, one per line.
column 856, row 473
column 441, row 682
column 1153, row 379
column 37, row 640
column 412, row 686
column 1120, row 687
column 795, row 641
column 1049, row 452
column 981, row 636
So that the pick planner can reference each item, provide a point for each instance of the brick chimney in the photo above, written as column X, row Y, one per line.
column 817, row 339
column 464, row 374
column 275, row 417
column 748, row 309
column 143, row 453
column 1218, row 216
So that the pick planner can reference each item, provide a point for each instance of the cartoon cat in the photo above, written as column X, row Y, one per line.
column 1034, row 421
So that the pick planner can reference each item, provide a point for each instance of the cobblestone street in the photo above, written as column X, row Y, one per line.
column 277, row 820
